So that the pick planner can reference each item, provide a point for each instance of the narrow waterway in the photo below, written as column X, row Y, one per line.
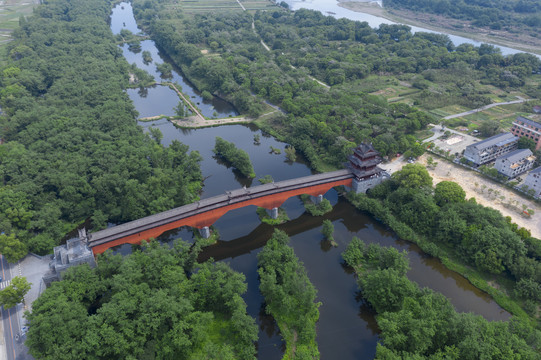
column 347, row 327
column 161, row 100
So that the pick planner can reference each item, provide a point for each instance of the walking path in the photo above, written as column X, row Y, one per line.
column 242, row 6
column 293, row 67
column 521, row 100
column 194, row 122
column 194, row 109
column 313, row 78
column 440, row 131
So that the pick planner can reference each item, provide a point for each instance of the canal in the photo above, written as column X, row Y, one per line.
column 347, row 326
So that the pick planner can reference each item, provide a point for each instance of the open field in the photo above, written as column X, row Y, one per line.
column 505, row 115
column 488, row 193
column 202, row 6
column 10, row 12
column 402, row 91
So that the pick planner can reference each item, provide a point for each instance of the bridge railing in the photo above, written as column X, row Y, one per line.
column 214, row 203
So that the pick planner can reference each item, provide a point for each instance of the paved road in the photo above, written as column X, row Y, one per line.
column 486, row 107
column 10, row 321
column 439, row 131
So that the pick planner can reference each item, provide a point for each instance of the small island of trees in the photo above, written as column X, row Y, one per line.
column 238, row 158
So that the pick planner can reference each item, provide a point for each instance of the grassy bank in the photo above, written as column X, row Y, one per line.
column 447, row 256
column 267, row 219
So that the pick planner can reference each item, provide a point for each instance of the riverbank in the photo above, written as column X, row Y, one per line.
column 443, row 24
column 490, row 285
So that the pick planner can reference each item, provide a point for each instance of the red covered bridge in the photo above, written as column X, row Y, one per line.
column 205, row 212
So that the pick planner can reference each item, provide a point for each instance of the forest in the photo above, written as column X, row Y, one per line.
column 513, row 15
column 450, row 224
column 157, row 303
column 419, row 323
column 71, row 148
column 289, row 297
column 324, row 123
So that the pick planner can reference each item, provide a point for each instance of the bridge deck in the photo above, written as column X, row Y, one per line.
column 212, row 204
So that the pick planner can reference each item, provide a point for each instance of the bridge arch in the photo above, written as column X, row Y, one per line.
column 205, row 212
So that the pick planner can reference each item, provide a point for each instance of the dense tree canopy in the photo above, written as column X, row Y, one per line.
column 481, row 236
column 495, row 14
column 14, row 293
column 72, row 147
column 289, row 297
column 156, row 303
column 234, row 156
column 421, row 324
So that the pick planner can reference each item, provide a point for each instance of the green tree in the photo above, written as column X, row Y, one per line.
column 526, row 143
column 165, row 69
column 236, row 157
column 15, row 292
column 413, row 176
column 180, row 109
column 489, row 128
column 386, row 289
column 158, row 302
column 328, row 230
column 291, row 154
column 147, row 57
column 448, row 192
column 267, row 179
column 289, row 296
column 12, row 248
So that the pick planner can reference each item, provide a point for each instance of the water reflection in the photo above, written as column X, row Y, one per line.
column 122, row 18
column 346, row 326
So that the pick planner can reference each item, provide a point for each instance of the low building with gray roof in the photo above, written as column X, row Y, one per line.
column 515, row 163
column 490, row 149
column 533, row 182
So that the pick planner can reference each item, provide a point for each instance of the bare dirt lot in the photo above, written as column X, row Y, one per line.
column 487, row 193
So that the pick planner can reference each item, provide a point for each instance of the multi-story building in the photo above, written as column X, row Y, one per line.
column 489, row 149
column 533, row 181
column 523, row 127
column 515, row 163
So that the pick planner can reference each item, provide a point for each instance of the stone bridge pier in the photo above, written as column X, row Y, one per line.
column 361, row 174
column 316, row 199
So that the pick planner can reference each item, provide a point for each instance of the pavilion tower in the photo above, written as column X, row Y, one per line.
column 363, row 164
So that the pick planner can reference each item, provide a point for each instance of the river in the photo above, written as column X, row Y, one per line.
column 330, row 7
column 347, row 328
column 161, row 100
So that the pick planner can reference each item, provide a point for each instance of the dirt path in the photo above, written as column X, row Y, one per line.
column 469, row 112
column 194, row 109
column 487, row 193
column 194, row 122
column 293, row 67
